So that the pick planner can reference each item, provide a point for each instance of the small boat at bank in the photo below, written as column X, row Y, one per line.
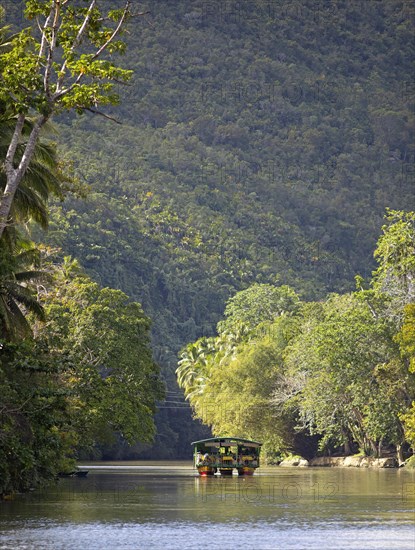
column 226, row 454
column 75, row 473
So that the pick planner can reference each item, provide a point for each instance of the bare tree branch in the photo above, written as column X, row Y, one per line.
column 76, row 43
column 116, row 31
column 51, row 49
column 95, row 112
column 11, row 151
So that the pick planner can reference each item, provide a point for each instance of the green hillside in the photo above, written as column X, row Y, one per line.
column 260, row 142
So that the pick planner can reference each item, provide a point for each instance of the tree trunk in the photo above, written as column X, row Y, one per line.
column 347, row 448
column 15, row 175
column 6, row 204
column 399, row 455
column 373, row 446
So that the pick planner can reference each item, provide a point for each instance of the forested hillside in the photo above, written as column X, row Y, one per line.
column 260, row 142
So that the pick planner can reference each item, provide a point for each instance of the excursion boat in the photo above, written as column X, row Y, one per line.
column 226, row 454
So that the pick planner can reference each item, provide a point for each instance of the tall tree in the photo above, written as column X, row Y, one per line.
column 113, row 379
column 64, row 69
column 395, row 253
column 354, row 384
column 257, row 304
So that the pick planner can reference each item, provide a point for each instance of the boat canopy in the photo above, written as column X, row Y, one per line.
column 226, row 442
column 226, row 454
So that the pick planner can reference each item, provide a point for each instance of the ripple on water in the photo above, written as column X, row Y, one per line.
column 188, row 535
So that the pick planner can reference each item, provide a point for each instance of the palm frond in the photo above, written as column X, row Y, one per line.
column 17, row 295
column 42, row 179
column 19, row 326
column 30, row 276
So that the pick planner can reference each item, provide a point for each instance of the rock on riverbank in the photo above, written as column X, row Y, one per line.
column 354, row 462
column 295, row 461
column 341, row 462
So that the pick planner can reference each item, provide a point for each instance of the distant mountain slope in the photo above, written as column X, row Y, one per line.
column 261, row 141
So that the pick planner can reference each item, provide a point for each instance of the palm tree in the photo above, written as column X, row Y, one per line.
column 17, row 298
column 42, row 179
column 192, row 370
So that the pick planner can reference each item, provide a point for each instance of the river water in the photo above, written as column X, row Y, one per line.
column 165, row 506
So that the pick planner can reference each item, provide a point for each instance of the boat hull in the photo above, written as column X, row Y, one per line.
column 205, row 471
column 226, row 471
column 246, row 471
column 210, row 471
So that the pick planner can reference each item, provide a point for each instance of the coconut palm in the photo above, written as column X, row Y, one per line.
column 42, row 179
column 192, row 370
column 17, row 298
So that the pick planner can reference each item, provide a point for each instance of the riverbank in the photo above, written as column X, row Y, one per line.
column 341, row 462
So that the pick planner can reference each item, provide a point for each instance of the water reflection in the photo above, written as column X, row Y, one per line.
column 169, row 506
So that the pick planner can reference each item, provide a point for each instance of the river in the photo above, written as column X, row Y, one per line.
column 138, row 505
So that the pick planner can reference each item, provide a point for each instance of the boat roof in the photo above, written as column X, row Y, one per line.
column 213, row 440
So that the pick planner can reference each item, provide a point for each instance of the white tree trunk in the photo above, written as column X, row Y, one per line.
column 15, row 175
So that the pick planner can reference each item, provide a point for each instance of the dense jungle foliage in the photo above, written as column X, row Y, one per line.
column 76, row 365
column 331, row 376
column 260, row 144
